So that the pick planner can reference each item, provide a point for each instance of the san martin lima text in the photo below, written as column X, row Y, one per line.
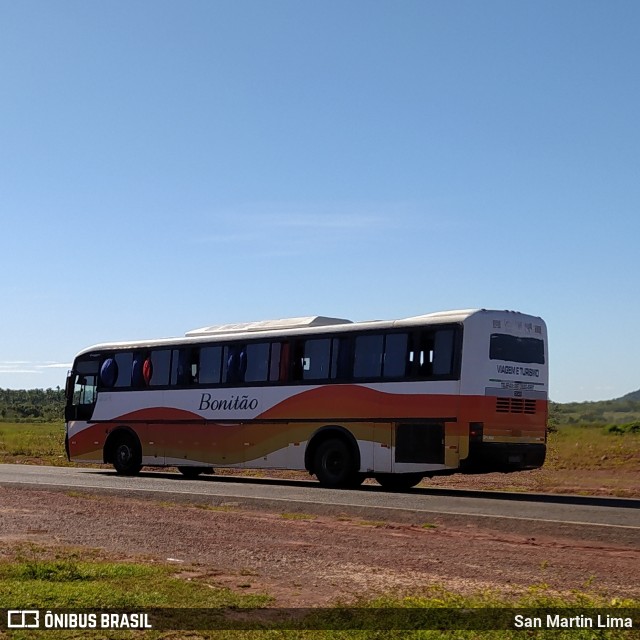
column 557, row 621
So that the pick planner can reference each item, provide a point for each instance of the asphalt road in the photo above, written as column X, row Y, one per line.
column 420, row 504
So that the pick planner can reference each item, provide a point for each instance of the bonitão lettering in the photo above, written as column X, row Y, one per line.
column 233, row 403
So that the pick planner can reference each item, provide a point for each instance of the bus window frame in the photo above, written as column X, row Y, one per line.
column 287, row 344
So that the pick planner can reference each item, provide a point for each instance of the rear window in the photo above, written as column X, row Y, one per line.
column 515, row 349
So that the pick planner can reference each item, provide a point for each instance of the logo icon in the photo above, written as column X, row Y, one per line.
column 23, row 619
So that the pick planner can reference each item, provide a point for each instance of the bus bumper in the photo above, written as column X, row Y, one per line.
column 505, row 457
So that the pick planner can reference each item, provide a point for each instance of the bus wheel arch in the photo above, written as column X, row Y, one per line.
column 333, row 455
column 123, row 450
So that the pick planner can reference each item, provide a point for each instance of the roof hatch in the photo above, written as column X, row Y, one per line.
column 267, row 325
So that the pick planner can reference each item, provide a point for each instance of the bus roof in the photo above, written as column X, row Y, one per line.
column 267, row 325
column 289, row 326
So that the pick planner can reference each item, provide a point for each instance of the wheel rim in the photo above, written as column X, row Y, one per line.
column 124, row 455
column 333, row 463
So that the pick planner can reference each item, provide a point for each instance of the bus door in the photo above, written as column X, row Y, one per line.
column 81, row 391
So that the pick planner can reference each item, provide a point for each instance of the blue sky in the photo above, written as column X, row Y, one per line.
column 166, row 165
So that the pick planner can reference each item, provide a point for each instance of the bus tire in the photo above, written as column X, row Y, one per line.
column 334, row 464
column 192, row 473
column 127, row 455
column 398, row 481
column 356, row 480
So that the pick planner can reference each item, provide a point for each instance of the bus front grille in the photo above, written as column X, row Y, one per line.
column 515, row 405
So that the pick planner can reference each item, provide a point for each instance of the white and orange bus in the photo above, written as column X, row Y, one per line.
column 457, row 391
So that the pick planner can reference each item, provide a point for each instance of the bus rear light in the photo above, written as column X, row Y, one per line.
column 475, row 431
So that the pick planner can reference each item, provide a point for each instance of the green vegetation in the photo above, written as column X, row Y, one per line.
column 377, row 524
column 45, row 579
column 485, row 607
column 619, row 411
column 591, row 448
column 32, row 405
column 42, row 442
column 629, row 427
column 52, row 579
column 40, row 578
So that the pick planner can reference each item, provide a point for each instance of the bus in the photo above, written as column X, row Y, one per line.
column 400, row 400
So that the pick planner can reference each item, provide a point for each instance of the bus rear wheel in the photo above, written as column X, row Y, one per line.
column 334, row 464
column 398, row 481
column 127, row 457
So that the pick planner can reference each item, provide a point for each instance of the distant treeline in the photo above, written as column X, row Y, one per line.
column 32, row 405
column 619, row 411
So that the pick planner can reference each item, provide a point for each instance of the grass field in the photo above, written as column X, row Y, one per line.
column 40, row 443
column 49, row 580
column 593, row 448
column 589, row 461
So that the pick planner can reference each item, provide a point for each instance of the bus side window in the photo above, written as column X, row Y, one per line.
column 257, row 362
column 137, row 369
column 84, row 392
column 124, row 360
column 84, row 398
column 234, row 363
column 297, row 361
column 443, row 352
column 421, row 354
column 275, row 362
column 431, row 353
column 285, row 361
column 184, row 367
column 108, row 373
column 316, row 359
column 342, row 358
column 395, row 355
column 177, row 376
column 160, row 366
column 210, row 368
column 367, row 362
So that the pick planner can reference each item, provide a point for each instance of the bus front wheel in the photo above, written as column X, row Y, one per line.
column 334, row 464
column 127, row 457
